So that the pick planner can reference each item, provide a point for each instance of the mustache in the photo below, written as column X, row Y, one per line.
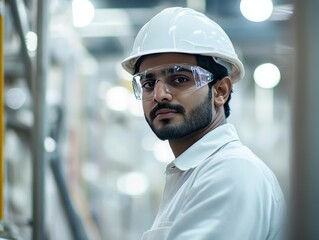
column 177, row 108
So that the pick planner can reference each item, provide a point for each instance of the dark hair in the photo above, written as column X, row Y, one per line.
column 218, row 71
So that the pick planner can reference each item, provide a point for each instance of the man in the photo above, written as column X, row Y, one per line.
column 184, row 66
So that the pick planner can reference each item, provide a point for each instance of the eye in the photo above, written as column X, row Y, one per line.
column 179, row 80
column 148, row 84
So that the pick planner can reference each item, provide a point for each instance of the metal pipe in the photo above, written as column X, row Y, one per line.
column 2, row 112
column 75, row 223
column 20, row 18
column 40, row 127
column 305, row 177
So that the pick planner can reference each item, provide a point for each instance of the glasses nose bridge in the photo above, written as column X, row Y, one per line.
column 165, row 85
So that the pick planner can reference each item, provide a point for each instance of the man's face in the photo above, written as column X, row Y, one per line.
column 173, row 117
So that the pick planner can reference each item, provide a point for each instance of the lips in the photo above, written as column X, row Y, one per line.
column 164, row 113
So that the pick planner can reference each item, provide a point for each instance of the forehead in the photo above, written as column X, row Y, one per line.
column 155, row 60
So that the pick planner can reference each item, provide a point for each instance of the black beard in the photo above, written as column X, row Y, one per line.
column 198, row 118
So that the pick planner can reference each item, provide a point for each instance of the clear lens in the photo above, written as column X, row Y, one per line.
column 175, row 79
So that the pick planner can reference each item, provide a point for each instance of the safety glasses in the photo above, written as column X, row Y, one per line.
column 174, row 79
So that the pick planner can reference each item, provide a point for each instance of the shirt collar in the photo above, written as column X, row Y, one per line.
column 205, row 147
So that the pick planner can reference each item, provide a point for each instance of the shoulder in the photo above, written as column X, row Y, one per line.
column 236, row 190
column 237, row 168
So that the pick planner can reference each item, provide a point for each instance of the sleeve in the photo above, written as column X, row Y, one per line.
column 229, row 201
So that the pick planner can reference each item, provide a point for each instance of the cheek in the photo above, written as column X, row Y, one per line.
column 199, row 97
column 189, row 103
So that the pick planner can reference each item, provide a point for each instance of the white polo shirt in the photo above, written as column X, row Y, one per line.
column 219, row 190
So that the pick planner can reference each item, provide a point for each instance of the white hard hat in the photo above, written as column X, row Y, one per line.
column 184, row 30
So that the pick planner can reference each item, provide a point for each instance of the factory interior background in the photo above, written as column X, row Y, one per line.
column 100, row 172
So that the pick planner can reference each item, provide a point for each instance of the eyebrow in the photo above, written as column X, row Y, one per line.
column 165, row 71
column 148, row 75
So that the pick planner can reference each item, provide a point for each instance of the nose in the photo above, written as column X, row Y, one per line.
column 161, row 91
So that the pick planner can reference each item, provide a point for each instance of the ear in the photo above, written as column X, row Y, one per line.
column 222, row 90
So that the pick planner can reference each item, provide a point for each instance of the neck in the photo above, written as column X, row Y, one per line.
column 180, row 145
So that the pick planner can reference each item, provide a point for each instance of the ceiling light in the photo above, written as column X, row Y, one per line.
column 256, row 10
column 49, row 144
column 15, row 98
column 118, row 98
column 133, row 183
column 267, row 75
column 31, row 41
column 83, row 12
